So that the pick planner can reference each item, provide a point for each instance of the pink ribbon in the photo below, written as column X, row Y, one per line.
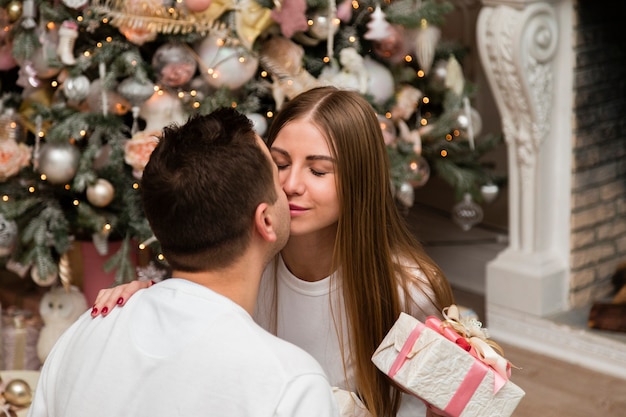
column 468, row 386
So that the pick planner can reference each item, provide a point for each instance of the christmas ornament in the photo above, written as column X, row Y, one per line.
column 17, row 268
column 7, row 61
column 259, row 122
column 175, row 64
column 392, row 48
column 11, row 127
column 47, row 281
column 439, row 74
column 28, row 14
column 425, row 43
column 226, row 66
column 136, row 91
column 8, row 235
column 76, row 88
column 18, row 393
column 151, row 273
column 197, row 6
column 291, row 17
column 489, row 192
column 75, row 4
column 14, row 10
column 283, row 59
column 406, row 195
column 251, row 19
column 160, row 110
column 65, row 271
column 59, row 308
column 378, row 27
column 68, row 33
column 417, row 171
column 469, row 121
column 321, row 25
column 455, row 80
column 58, row 162
column 101, row 193
column 381, row 84
column 114, row 101
column 467, row 213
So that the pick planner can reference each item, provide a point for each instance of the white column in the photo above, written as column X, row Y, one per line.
column 527, row 53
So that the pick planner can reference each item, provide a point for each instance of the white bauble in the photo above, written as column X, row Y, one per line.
column 489, row 192
column 101, row 193
column 161, row 110
column 380, row 82
column 229, row 66
column 58, row 161
column 76, row 88
column 259, row 122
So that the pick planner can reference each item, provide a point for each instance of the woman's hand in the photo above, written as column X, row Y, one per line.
column 108, row 298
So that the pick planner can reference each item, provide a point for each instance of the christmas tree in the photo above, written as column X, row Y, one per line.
column 96, row 81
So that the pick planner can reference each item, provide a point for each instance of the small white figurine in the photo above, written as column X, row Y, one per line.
column 59, row 308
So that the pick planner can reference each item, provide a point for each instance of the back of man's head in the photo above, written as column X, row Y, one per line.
column 201, row 187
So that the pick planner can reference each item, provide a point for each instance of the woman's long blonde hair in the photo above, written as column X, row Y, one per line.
column 371, row 234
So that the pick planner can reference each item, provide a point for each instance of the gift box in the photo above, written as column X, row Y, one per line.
column 18, row 340
column 455, row 373
column 349, row 404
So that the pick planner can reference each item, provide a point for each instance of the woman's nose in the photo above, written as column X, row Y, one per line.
column 291, row 182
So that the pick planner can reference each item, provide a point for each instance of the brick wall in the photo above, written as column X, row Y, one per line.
column 598, row 228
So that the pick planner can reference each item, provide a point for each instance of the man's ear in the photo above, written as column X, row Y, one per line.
column 264, row 222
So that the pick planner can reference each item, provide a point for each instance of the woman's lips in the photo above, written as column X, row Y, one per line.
column 295, row 209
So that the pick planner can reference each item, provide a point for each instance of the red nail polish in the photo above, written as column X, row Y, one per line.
column 120, row 301
column 152, row 283
column 104, row 310
column 94, row 311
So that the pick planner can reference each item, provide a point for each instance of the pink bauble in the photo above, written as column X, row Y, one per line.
column 197, row 6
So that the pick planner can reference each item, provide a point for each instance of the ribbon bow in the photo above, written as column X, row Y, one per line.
column 470, row 335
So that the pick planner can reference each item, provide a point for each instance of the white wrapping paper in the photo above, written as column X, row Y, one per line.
column 436, row 367
column 349, row 404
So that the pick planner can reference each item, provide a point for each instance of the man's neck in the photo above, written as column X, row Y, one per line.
column 239, row 283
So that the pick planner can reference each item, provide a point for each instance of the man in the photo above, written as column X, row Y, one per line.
column 189, row 346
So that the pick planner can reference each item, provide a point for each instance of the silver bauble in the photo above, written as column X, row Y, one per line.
column 58, row 161
column 438, row 75
column 135, row 90
column 18, row 393
column 467, row 213
column 8, row 235
column 76, row 88
column 101, row 193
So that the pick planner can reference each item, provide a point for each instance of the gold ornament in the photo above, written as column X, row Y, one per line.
column 18, row 393
column 101, row 193
column 65, row 271
column 14, row 10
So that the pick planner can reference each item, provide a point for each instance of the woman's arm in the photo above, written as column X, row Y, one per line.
column 108, row 298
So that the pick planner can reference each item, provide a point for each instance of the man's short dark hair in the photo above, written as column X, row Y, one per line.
column 201, row 187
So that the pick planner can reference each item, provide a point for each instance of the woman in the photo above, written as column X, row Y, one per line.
column 351, row 265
